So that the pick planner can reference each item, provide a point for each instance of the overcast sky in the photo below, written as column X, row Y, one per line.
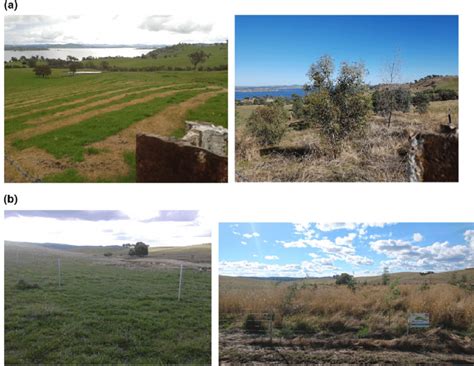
column 114, row 29
column 156, row 228
column 325, row 249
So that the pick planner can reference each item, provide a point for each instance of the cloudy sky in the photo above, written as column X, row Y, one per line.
column 300, row 249
column 156, row 228
column 113, row 29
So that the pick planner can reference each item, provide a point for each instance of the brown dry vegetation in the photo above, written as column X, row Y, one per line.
column 316, row 315
column 377, row 154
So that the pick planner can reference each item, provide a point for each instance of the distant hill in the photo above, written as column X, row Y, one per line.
column 192, row 253
column 429, row 83
column 403, row 277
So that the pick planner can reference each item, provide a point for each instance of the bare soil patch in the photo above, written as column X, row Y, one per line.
column 432, row 346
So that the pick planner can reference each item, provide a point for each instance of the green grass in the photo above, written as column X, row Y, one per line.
column 214, row 110
column 19, row 123
column 70, row 141
column 174, row 56
column 66, row 176
column 103, row 314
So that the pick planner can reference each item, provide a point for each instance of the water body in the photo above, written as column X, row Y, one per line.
column 62, row 53
column 286, row 93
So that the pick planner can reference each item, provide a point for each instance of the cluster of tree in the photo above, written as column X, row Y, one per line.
column 73, row 64
column 262, row 100
column 426, row 273
column 389, row 100
column 139, row 249
column 346, row 279
column 339, row 105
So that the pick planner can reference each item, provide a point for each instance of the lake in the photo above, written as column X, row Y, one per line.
column 62, row 53
column 286, row 93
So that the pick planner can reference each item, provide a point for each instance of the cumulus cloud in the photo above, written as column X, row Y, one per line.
column 243, row 242
column 158, row 23
column 407, row 255
column 342, row 248
column 251, row 235
column 271, row 257
column 417, row 237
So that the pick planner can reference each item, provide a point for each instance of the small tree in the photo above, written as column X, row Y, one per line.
column 73, row 68
column 198, row 57
column 421, row 102
column 268, row 123
column 42, row 70
column 297, row 106
column 385, row 277
column 339, row 106
column 131, row 252
column 386, row 101
column 141, row 249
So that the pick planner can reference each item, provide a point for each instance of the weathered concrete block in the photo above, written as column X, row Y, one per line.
column 207, row 136
column 166, row 160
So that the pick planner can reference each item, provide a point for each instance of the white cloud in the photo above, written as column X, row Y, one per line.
column 407, row 255
column 251, row 235
column 121, row 29
column 335, row 226
column 257, row 269
column 342, row 248
column 417, row 237
column 271, row 257
column 243, row 242
column 111, row 232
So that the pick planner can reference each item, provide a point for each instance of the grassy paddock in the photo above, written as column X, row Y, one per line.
column 103, row 314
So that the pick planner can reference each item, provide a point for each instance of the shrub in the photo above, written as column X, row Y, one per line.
column 268, row 123
column 421, row 101
column 131, row 252
column 108, row 254
column 23, row 285
column 341, row 106
column 303, row 327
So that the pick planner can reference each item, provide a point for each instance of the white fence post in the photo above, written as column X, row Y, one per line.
column 180, row 282
column 59, row 272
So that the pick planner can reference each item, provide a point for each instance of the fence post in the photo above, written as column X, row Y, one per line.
column 59, row 272
column 180, row 282
column 270, row 326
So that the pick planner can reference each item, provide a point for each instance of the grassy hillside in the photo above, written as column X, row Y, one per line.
column 172, row 57
column 102, row 314
column 193, row 253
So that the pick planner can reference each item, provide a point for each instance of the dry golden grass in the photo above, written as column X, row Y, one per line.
column 376, row 155
column 336, row 307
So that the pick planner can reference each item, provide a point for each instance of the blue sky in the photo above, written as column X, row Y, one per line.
column 322, row 249
column 278, row 50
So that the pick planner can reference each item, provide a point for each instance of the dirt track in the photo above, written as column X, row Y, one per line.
column 433, row 346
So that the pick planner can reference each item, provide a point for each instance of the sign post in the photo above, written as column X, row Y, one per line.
column 418, row 320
